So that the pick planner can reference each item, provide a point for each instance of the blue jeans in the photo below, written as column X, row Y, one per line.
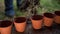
column 9, row 11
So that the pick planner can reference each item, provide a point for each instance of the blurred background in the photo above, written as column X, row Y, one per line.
column 47, row 6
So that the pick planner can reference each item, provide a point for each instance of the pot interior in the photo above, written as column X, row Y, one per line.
column 37, row 17
column 49, row 15
column 5, row 23
column 57, row 13
column 20, row 19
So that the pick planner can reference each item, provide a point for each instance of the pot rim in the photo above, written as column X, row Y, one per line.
column 57, row 13
column 20, row 19
column 37, row 17
column 48, row 15
column 6, row 22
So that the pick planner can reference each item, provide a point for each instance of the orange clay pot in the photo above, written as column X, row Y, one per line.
column 5, row 27
column 20, row 24
column 57, row 17
column 37, row 21
column 48, row 19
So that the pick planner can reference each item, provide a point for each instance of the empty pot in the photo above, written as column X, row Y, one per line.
column 20, row 24
column 37, row 21
column 57, row 17
column 48, row 19
column 5, row 27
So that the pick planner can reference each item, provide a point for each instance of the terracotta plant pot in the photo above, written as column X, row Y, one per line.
column 57, row 17
column 48, row 19
column 5, row 27
column 37, row 21
column 20, row 24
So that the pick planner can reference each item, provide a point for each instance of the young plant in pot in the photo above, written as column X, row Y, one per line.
column 37, row 21
column 20, row 24
column 5, row 27
column 48, row 19
column 57, row 17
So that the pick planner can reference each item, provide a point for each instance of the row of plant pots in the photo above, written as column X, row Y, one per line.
column 47, row 20
column 6, row 25
column 37, row 22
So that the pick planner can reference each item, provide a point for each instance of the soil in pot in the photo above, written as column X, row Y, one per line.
column 48, row 19
column 5, row 23
column 57, row 17
column 20, row 19
column 37, row 17
column 37, row 21
column 57, row 13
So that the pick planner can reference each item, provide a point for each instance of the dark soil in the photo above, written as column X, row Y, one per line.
column 57, row 13
column 49, row 15
column 37, row 17
column 20, row 19
column 5, row 23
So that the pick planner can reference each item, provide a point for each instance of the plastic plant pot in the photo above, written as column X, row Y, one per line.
column 37, row 21
column 5, row 27
column 20, row 24
column 57, row 17
column 48, row 19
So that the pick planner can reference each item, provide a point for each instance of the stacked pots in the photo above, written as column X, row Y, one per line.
column 20, row 24
column 5, row 27
column 57, row 17
column 48, row 19
column 37, row 21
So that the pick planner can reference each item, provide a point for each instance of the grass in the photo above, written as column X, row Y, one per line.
column 47, row 6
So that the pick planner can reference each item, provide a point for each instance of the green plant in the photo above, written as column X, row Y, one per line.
column 48, row 6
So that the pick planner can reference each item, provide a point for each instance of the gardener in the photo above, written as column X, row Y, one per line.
column 9, row 11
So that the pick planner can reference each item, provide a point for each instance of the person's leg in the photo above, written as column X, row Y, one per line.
column 9, row 12
column 19, row 3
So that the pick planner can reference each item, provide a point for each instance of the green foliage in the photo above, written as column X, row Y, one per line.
column 49, row 6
